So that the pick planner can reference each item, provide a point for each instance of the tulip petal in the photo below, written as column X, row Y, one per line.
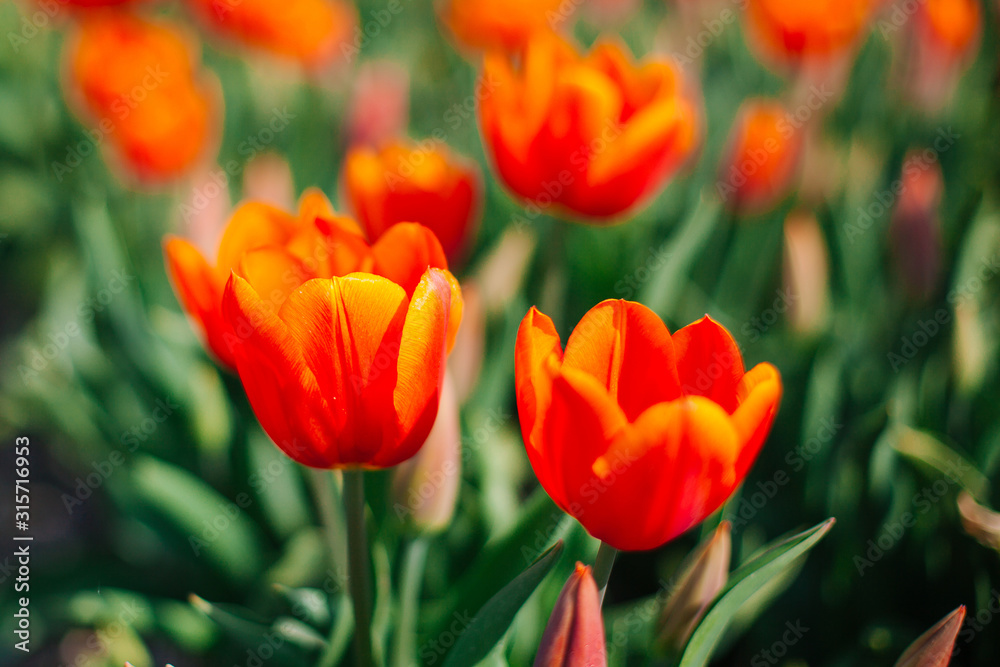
column 537, row 341
column 273, row 273
column 759, row 394
column 421, row 365
column 253, row 225
column 627, row 348
column 349, row 331
column 709, row 362
column 198, row 289
column 282, row 390
column 405, row 252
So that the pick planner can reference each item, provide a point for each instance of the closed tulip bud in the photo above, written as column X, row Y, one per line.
column 426, row 487
column 979, row 522
column 806, row 273
column 763, row 157
column 794, row 34
column 139, row 83
column 504, row 25
column 415, row 182
column 312, row 33
column 941, row 45
column 268, row 178
column 934, row 647
column 699, row 580
column 466, row 359
column 638, row 433
column 591, row 136
column 574, row 636
column 915, row 229
column 379, row 103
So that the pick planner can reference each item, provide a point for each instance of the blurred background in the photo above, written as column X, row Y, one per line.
column 869, row 278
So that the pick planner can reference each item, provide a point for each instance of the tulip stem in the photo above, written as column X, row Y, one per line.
column 602, row 567
column 413, row 575
column 359, row 579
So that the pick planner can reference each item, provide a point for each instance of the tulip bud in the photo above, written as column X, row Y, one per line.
column 466, row 360
column 702, row 575
column 934, row 647
column 915, row 228
column 379, row 105
column 501, row 273
column 807, row 272
column 268, row 178
column 765, row 150
column 979, row 522
column 425, row 487
column 942, row 44
column 574, row 636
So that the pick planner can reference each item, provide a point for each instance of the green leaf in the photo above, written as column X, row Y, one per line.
column 743, row 584
column 489, row 625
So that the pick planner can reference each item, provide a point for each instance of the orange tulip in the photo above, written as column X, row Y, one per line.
column 952, row 25
column 593, row 135
column 791, row 32
column 277, row 251
column 139, row 81
column 311, row 32
column 941, row 45
column 639, row 434
column 414, row 183
column 347, row 373
column 504, row 25
column 764, row 151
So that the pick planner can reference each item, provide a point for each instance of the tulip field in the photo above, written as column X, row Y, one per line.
column 566, row 333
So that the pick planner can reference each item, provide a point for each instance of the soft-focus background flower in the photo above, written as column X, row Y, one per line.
column 853, row 242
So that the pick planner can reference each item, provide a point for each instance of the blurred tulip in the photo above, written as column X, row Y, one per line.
column 379, row 103
column 794, row 33
column 310, row 32
column 594, row 136
column 415, row 182
column 505, row 25
column 699, row 580
column 139, row 81
column 764, row 153
column 574, row 635
column 267, row 178
column 425, row 488
column 275, row 250
column 941, row 45
column 972, row 346
column 934, row 647
column 979, row 522
column 503, row 270
column 466, row 359
column 915, row 229
column 639, row 434
column 347, row 373
column 806, row 272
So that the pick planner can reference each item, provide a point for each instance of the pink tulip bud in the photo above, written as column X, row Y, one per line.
column 574, row 636
column 915, row 231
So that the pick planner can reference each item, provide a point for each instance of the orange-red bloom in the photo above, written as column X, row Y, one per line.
column 793, row 31
column 277, row 251
column 763, row 153
column 504, row 25
column 594, row 135
column 138, row 81
column 310, row 32
column 638, row 433
column 414, row 183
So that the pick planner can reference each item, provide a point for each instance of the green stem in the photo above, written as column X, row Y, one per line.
column 404, row 647
column 602, row 567
column 359, row 578
column 325, row 495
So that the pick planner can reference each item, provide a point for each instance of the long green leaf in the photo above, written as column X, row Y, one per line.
column 742, row 585
column 489, row 625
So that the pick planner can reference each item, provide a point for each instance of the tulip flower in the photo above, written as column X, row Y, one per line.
column 941, row 45
column 792, row 32
column 638, row 433
column 139, row 83
column 935, row 647
column 505, row 25
column 592, row 135
column 310, row 32
column 915, row 227
column 421, row 183
column 765, row 149
column 574, row 636
column 277, row 251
